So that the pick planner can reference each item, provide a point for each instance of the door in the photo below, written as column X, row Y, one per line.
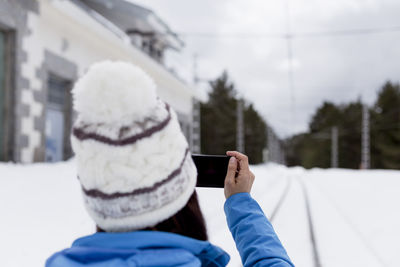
column 55, row 118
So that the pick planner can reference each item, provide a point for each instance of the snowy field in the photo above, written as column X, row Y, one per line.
column 336, row 218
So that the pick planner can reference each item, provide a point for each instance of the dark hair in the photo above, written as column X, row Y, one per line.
column 189, row 221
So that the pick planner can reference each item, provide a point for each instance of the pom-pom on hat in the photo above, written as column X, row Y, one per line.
column 133, row 161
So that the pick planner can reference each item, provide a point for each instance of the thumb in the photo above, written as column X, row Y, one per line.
column 232, row 167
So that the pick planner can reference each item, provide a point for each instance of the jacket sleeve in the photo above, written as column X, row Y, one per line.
column 255, row 238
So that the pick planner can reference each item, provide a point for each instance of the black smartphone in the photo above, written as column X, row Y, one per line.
column 211, row 170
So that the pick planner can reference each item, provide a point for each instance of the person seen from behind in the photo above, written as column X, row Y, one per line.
column 138, row 183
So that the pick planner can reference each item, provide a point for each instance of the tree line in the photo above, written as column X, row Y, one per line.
column 219, row 122
column 313, row 148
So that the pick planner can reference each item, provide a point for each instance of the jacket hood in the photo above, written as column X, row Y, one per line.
column 140, row 248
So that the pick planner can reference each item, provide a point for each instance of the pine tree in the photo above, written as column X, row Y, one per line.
column 219, row 123
column 255, row 135
column 317, row 153
column 312, row 149
column 350, row 135
column 385, row 128
column 218, row 118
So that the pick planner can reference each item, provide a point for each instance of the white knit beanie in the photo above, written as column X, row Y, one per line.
column 133, row 161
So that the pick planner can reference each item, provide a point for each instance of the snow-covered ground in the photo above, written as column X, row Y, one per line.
column 337, row 217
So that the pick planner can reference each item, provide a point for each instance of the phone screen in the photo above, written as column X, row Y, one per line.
column 211, row 170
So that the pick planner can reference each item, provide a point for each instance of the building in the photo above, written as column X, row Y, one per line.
column 45, row 45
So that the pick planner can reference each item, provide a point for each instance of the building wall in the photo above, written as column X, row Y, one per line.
column 13, row 21
column 62, row 38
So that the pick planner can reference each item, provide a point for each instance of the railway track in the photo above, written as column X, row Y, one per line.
column 290, row 181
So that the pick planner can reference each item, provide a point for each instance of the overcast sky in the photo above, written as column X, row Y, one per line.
column 242, row 37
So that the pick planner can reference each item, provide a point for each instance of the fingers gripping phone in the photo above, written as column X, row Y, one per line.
column 211, row 170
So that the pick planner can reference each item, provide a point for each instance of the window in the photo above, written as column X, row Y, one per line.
column 7, row 56
column 6, row 95
column 56, row 122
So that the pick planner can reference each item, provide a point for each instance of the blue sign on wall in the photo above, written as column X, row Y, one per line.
column 54, row 135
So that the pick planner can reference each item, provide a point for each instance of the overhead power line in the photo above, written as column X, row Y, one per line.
column 261, row 35
column 350, row 32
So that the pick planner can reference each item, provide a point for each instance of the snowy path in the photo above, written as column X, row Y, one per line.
column 358, row 216
column 336, row 232
column 292, row 225
column 355, row 215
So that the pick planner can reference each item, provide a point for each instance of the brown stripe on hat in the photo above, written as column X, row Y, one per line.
column 98, row 194
column 80, row 134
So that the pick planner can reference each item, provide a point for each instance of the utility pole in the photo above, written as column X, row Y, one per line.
column 289, row 46
column 283, row 155
column 365, row 141
column 275, row 153
column 195, row 76
column 270, row 142
column 334, row 147
column 240, row 126
column 195, row 133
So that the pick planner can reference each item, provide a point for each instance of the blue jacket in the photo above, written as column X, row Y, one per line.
column 254, row 236
column 255, row 239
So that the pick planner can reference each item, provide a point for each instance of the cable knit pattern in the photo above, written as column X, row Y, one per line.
column 134, row 166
